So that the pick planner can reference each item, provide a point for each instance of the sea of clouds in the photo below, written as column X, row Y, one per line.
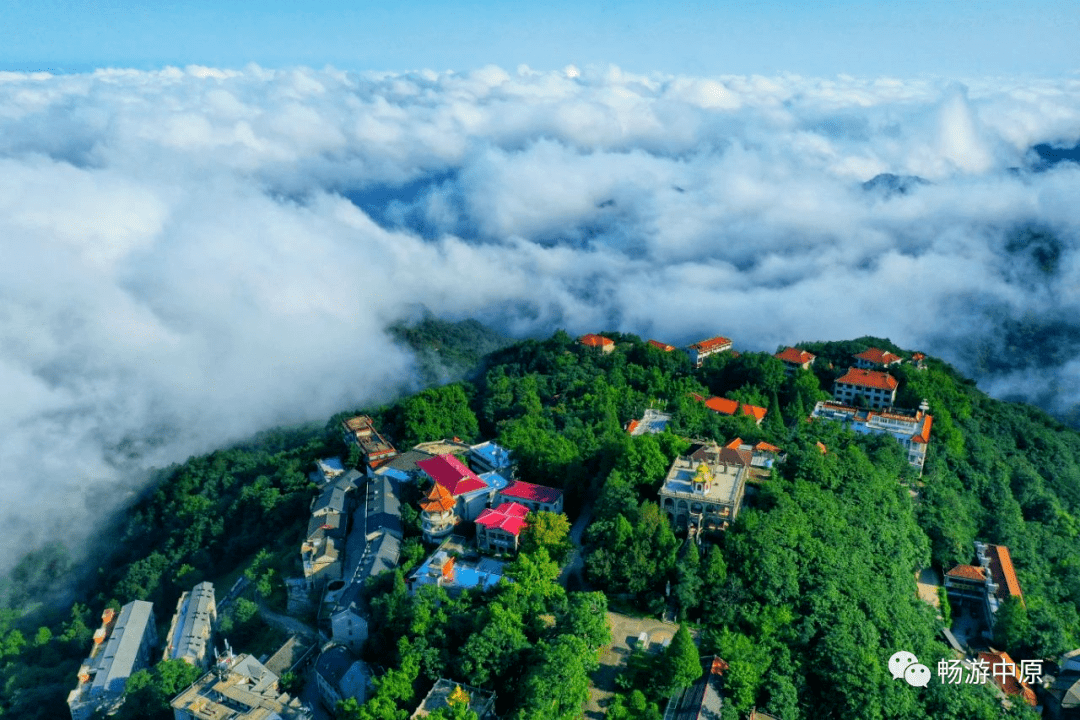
column 190, row 255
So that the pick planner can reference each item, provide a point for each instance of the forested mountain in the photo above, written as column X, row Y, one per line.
column 806, row 595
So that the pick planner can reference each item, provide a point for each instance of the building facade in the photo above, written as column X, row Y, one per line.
column 701, row 350
column 537, row 498
column 865, row 388
column 987, row 584
column 239, row 688
column 795, row 360
column 191, row 631
column 910, row 429
column 499, row 529
column 123, row 644
column 704, row 489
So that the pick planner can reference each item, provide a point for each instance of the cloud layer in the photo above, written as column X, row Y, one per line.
column 190, row 255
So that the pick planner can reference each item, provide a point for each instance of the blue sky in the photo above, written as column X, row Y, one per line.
column 903, row 38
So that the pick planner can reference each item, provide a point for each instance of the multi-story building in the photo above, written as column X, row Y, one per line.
column 701, row 350
column 865, row 388
column 498, row 529
column 988, row 584
column 239, row 688
column 795, row 360
column 340, row 676
column 491, row 457
column 361, row 431
column 457, row 494
column 192, row 628
column 876, row 358
column 537, row 498
column 704, row 489
column 123, row 644
column 910, row 429
column 455, row 567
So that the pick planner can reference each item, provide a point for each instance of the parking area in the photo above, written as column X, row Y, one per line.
column 627, row 634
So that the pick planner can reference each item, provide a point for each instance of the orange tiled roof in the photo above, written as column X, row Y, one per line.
column 924, row 432
column 711, row 344
column 792, row 355
column 734, row 444
column 438, row 499
column 918, row 356
column 822, row 448
column 594, row 340
column 766, row 447
column 869, row 378
column 632, row 426
column 758, row 413
column 663, row 346
column 1002, row 570
column 878, row 356
column 968, row 572
column 730, row 407
column 1005, row 674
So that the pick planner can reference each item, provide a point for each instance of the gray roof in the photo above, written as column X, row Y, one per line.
column 351, row 480
column 703, row 699
column 117, row 660
column 332, row 499
column 193, row 625
column 406, row 461
column 383, row 506
column 288, row 655
column 333, row 664
column 329, row 524
column 380, row 554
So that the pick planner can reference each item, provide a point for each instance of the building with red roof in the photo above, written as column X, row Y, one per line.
column 448, row 471
column 1006, row 675
column 795, row 360
column 361, row 431
column 453, row 482
column 911, row 429
column 986, row 585
column 876, row 358
column 867, row 388
column 732, row 407
column 536, row 498
column 597, row 342
column 701, row 350
column 661, row 346
column 498, row 529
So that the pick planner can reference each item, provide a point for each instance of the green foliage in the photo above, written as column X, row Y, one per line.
column 435, row 414
column 558, row 683
column 585, row 616
column 549, row 531
column 681, row 663
column 148, row 692
column 634, row 706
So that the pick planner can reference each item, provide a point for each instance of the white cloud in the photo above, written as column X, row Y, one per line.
column 202, row 253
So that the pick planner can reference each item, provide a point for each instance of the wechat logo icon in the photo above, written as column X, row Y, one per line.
column 906, row 665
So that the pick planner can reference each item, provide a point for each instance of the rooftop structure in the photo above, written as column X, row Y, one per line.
column 340, row 676
column 491, row 457
column 498, row 529
column 348, row 619
column 452, row 474
column 795, row 359
column 454, row 568
column 597, row 342
column 661, row 346
column 361, row 431
column 652, row 422
column 122, row 645
column 382, row 508
column 704, row 699
column 701, row 350
column 1006, row 675
column 876, row 358
column 404, row 468
column 910, row 429
column 328, row 469
column 237, row 689
column 705, row 488
column 985, row 585
column 724, row 406
column 869, row 388
column 536, row 498
column 191, row 631
column 290, row 655
column 481, row 702
column 762, row 455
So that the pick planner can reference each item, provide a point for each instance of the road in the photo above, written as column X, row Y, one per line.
column 575, row 565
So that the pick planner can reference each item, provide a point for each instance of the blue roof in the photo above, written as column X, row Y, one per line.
column 494, row 480
column 491, row 453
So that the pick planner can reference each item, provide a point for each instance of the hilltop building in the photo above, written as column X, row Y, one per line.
column 723, row 406
column 763, row 455
column 986, row 585
column 701, row 350
column 795, row 360
column 340, row 676
column 661, row 346
column 597, row 342
column 489, row 456
column 322, row 552
column 457, row 494
column 191, row 631
column 454, row 567
column 704, row 489
column 874, row 358
column 1063, row 689
column 122, row 645
column 910, row 429
column 481, row 702
column 537, row 498
column 652, row 422
column 239, row 688
column 360, row 430
column 1006, row 675
column 865, row 388
column 349, row 618
column 498, row 529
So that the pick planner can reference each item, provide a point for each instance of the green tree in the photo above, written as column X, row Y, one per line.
column 547, row 530
column 682, row 662
column 585, row 616
column 558, row 682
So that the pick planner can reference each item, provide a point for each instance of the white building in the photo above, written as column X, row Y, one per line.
column 865, row 388
column 191, row 632
column 911, row 429
column 122, row 645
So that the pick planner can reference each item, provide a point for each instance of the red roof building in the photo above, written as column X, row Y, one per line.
column 876, row 358
column 869, row 388
column 597, row 342
column 986, row 585
column 537, row 498
column 1003, row 573
column 794, row 360
column 701, row 350
column 498, row 528
column 1006, row 675
column 662, row 346
column 725, row 406
column 452, row 474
